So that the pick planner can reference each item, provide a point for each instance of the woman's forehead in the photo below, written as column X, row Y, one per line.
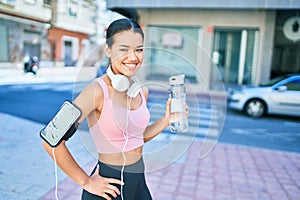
column 128, row 38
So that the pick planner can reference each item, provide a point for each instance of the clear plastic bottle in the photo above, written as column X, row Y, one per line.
column 179, row 121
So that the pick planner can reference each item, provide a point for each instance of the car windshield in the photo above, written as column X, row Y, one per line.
column 273, row 81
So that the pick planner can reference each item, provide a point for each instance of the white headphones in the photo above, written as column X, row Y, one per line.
column 121, row 83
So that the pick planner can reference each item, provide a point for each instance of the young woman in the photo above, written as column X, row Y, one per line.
column 119, row 124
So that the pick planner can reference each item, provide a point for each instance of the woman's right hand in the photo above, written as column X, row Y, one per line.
column 101, row 186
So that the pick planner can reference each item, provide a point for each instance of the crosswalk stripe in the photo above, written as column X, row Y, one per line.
column 197, row 132
column 203, row 119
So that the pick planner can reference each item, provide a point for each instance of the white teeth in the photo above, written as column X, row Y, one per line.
column 130, row 66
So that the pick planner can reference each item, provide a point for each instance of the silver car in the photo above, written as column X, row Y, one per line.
column 280, row 95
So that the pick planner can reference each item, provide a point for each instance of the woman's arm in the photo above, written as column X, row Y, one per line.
column 158, row 126
column 88, row 101
column 95, row 184
column 67, row 163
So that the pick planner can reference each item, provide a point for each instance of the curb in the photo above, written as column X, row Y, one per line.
column 47, row 75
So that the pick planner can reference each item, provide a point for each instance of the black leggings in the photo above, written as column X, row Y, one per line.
column 135, row 187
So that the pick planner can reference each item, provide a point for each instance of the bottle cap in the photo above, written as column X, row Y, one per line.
column 177, row 80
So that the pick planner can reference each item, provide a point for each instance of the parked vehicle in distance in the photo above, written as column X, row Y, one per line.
column 280, row 95
column 31, row 64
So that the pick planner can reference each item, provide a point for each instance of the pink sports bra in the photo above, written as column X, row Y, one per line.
column 116, row 123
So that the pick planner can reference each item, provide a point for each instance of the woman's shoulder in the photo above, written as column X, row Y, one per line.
column 90, row 98
column 145, row 91
column 94, row 87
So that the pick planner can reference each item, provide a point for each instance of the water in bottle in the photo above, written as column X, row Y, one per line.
column 179, row 121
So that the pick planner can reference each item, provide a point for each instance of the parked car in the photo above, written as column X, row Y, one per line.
column 280, row 95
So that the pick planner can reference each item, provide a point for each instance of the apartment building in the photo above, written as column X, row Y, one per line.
column 73, row 23
column 23, row 27
column 56, row 31
column 241, row 42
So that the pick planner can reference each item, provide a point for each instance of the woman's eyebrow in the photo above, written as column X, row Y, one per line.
column 123, row 45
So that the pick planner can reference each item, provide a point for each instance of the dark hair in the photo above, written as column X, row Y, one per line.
column 120, row 25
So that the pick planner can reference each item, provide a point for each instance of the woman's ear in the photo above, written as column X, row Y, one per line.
column 107, row 50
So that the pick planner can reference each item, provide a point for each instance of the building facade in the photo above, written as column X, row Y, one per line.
column 58, row 32
column 23, row 27
column 243, row 42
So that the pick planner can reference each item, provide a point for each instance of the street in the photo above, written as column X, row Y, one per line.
column 232, row 169
column 39, row 102
column 271, row 132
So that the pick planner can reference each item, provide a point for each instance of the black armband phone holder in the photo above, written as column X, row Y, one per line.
column 70, row 132
column 63, row 125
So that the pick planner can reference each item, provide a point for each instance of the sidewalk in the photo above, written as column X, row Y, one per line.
column 26, row 170
column 229, row 172
column 55, row 74
column 174, row 168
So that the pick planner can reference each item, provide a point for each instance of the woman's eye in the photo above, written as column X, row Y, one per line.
column 123, row 50
column 140, row 50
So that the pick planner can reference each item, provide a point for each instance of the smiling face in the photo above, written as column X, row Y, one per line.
column 126, row 52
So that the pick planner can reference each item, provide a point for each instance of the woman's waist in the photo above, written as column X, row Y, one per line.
column 117, row 159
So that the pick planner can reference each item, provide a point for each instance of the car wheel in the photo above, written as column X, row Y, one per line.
column 255, row 108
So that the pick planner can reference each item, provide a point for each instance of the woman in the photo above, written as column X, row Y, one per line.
column 118, row 122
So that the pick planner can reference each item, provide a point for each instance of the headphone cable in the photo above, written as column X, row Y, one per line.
column 56, row 175
column 125, row 134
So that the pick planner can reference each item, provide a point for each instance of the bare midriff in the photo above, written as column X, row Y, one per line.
column 117, row 158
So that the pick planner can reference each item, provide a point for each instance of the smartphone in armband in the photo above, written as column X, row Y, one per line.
column 64, row 122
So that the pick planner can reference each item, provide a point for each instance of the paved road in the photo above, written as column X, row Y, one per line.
column 38, row 102
column 178, row 167
column 272, row 132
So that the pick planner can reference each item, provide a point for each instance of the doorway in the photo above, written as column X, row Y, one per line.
column 68, row 53
column 32, row 50
column 235, row 54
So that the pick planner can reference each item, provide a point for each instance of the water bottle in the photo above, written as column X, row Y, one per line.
column 179, row 121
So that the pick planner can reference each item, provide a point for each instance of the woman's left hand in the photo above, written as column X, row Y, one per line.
column 170, row 117
column 168, row 113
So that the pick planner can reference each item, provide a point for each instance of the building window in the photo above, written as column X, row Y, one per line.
column 168, row 52
column 47, row 2
column 8, row 2
column 235, row 55
column 72, row 10
column 4, row 44
column 30, row 1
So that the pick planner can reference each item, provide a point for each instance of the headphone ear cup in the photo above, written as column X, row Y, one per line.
column 134, row 88
column 120, row 83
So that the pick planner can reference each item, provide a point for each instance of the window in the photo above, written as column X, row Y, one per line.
column 4, row 44
column 30, row 1
column 47, row 2
column 293, row 85
column 8, row 2
column 171, row 51
column 72, row 10
column 235, row 54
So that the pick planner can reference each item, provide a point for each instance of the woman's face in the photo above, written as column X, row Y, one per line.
column 126, row 53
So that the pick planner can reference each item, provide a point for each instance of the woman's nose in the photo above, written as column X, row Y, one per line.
column 131, row 55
